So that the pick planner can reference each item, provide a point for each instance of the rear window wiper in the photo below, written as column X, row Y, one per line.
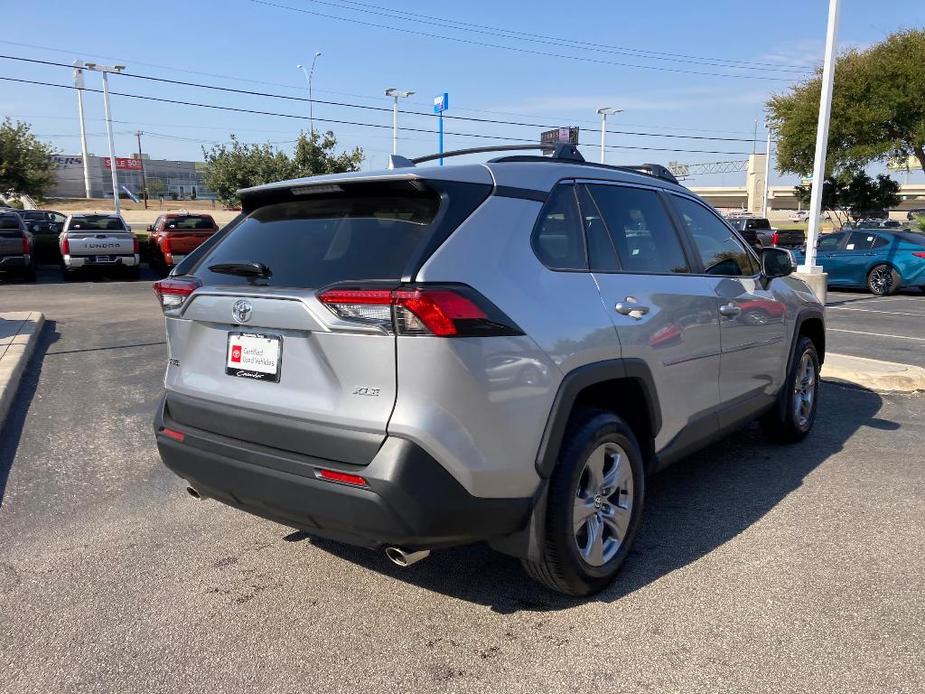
column 242, row 269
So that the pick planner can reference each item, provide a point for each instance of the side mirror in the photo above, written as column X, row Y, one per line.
column 776, row 262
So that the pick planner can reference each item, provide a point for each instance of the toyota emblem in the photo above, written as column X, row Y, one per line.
column 241, row 311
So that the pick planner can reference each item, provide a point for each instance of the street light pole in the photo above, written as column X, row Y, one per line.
column 79, row 88
column 767, row 174
column 822, row 142
column 308, row 78
column 396, row 94
column 605, row 111
column 106, row 69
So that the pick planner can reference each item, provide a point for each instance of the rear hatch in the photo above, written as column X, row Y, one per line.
column 261, row 358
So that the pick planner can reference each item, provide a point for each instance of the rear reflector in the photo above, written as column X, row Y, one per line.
column 442, row 310
column 171, row 434
column 173, row 291
column 341, row 477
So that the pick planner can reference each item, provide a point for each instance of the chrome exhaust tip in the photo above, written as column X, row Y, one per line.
column 404, row 558
column 195, row 494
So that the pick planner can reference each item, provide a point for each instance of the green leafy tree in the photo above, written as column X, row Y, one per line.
column 854, row 194
column 26, row 167
column 878, row 109
column 238, row 165
column 155, row 187
column 314, row 155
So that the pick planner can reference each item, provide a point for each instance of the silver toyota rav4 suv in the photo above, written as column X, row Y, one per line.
column 425, row 357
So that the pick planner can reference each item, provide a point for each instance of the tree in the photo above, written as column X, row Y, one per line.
column 314, row 155
column 26, row 167
column 155, row 187
column 854, row 194
column 878, row 109
column 232, row 167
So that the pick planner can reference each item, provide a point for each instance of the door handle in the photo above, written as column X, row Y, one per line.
column 729, row 310
column 629, row 307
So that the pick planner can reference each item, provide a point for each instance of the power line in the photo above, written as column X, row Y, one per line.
column 553, row 120
column 236, row 109
column 516, row 49
column 382, row 109
column 445, row 23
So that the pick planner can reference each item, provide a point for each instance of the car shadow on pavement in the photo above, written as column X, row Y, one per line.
column 691, row 509
column 12, row 429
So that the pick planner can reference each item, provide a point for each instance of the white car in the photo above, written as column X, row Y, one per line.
column 799, row 216
column 98, row 241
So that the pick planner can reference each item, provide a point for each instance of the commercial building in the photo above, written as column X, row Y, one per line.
column 179, row 180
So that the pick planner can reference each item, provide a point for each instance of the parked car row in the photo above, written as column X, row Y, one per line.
column 83, row 242
column 759, row 233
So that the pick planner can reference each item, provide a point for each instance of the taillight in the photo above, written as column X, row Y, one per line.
column 165, row 245
column 172, row 292
column 919, row 254
column 26, row 246
column 173, row 434
column 441, row 310
column 775, row 237
column 134, row 244
column 65, row 247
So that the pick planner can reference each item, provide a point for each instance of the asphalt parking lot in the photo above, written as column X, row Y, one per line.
column 758, row 568
column 890, row 328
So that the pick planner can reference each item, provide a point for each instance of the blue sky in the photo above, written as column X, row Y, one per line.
column 569, row 59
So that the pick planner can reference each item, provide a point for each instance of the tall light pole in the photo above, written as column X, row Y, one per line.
column 809, row 266
column 79, row 88
column 605, row 111
column 767, row 173
column 396, row 94
column 106, row 69
column 308, row 78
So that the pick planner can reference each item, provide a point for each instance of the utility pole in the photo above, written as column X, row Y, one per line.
column 141, row 161
column 396, row 94
column 767, row 173
column 755, row 138
column 106, row 69
column 812, row 272
column 308, row 78
column 605, row 111
column 79, row 88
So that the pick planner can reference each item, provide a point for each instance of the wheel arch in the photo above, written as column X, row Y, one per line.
column 614, row 385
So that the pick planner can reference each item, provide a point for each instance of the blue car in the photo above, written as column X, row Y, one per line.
column 882, row 260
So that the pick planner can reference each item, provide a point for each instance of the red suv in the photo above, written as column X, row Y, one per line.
column 173, row 236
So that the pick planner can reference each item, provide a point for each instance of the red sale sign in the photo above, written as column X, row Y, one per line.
column 123, row 164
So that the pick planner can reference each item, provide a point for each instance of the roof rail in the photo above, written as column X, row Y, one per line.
column 561, row 152
column 656, row 170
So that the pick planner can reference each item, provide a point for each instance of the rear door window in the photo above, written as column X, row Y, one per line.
column 640, row 229
column 314, row 242
column 860, row 241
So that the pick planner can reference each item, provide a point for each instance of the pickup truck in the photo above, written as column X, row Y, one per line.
column 45, row 226
column 15, row 247
column 758, row 232
column 173, row 236
column 97, row 241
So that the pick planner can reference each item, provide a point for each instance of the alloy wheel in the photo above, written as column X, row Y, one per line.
column 804, row 390
column 603, row 504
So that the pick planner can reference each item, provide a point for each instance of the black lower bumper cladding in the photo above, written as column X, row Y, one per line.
column 409, row 499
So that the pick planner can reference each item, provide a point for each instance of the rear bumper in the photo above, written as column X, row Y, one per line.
column 15, row 262
column 72, row 262
column 410, row 500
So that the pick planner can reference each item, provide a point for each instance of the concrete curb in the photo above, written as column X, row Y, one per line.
column 876, row 375
column 17, row 343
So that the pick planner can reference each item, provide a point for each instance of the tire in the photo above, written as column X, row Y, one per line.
column 66, row 275
column 29, row 275
column 786, row 423
column 883, row 280
column 572, row 562
column 133, row 273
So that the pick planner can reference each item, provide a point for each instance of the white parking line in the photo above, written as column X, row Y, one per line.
column 873, row 310
column 861, row 332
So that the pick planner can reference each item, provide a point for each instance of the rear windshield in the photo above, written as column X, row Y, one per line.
column 314, row 242
column 190, row 222
column 9, row 221
column 97, row 223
